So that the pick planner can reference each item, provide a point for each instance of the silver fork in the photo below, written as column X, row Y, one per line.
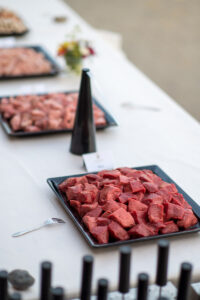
column 45, row 223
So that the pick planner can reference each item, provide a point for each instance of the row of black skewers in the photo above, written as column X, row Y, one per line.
column 58, row 293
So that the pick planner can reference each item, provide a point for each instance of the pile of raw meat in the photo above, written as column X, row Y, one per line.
column 10, row 23
column 23, row 61
column 125, row 203
column 47, row 112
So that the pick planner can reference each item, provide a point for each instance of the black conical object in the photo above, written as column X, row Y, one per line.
column 83, row 135
column 162, row 263
column 86, row 281
column 57, row 293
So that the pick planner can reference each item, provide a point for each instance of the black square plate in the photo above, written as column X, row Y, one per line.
column 14, row 33
column 54, row 70
column 54, row 182
column 110, row 121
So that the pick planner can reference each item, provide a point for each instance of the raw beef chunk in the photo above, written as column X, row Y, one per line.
column 101, row 234
column 122, row 217
column 117, row 231
column 155, row 213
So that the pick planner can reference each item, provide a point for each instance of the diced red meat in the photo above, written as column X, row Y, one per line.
column 174, row 211
column 103, row 221
column 124, row 206
column 155, row 213
column 141, row 230
column 123, row 198
column 188, row 220
column 123, row 179
column 164, row 195
column 73, row 192
column 90, row 222
column 152, row 198
column 81, row 179
column 96, row 212
column 76, row 205
column 93, row 177
column 169, row 227
column 117, row 231
column 150, row 187
column 101, row 234
column 106, row 214
column 110, row 174
column 178, row 199
column 85, row 208
column 89, row 194
column 66, row 183
column 109, row 193
column 123, row 217
column 110, row 206
column 169, row 187
column 140, row 217
column 134, row 205
column 134, row 186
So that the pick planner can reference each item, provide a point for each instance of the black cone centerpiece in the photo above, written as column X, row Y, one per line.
column 83, row 135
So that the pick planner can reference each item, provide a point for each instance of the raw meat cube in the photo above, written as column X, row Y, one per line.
column 81, row 179
column 101, row 234
column 134, row 186
column 152, row 198
column 134, row 205
column 66, row 183
column 73, row 192
column 117, row 231
column 76, row 205
column 174, row 211
column 123, row 217
column 168, row 187
column 188, row 220
column 123, row 179
column 85, row 208
column 109, row 193
column 179, row 200
column 90, row 222
column 103, row 221
column 16, row 122
column 92, row 177
column 114, row 174
column 110, row 206
column 89, row 194
column 169, row 227
column 165, row 195
column 140, row 217
column 123, row 198
column 140, row 230
column 155, row 213
column 124, row 206
column 95, row 212
column 106, row 214
column 150, row 187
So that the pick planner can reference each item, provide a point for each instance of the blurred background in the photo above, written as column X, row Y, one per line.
column 160, row 37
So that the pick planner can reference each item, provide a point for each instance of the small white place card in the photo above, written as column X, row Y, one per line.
column 98, row 161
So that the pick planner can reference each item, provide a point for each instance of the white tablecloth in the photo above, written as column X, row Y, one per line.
column 168, row 137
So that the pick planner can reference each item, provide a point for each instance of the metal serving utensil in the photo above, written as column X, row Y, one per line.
column 45, row 223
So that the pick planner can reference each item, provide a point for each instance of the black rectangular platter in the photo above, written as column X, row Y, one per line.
column 110, row 121
column 54, row 71
column 54, row 182
column 15, row 34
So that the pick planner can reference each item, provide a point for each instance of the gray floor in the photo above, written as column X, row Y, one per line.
column 161, row 37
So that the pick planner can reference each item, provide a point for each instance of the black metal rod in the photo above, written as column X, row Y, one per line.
column 102, row 293
column 142, row 290
column 3, row 285
column 57, row 293
column 86, row 282
column 162, row 263
column 124, row 272
column 184, row 281
column 45, row 285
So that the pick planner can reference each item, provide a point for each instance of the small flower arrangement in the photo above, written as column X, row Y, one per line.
column 74, row 52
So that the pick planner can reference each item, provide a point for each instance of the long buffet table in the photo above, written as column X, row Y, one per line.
column 152, row 129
